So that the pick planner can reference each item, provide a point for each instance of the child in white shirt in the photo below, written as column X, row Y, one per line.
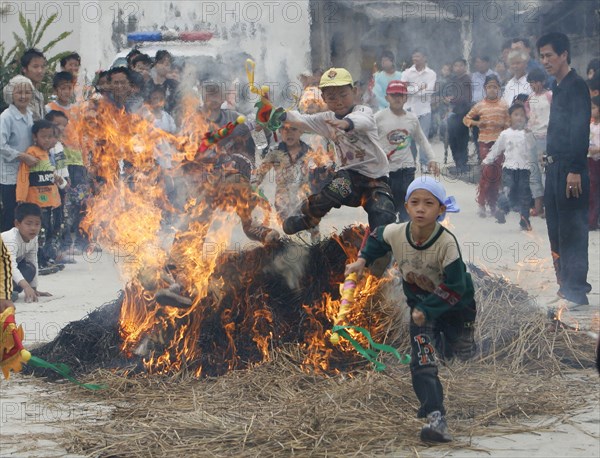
column 520, row 157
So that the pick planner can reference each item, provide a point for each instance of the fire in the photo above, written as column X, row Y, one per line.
column 182, row 308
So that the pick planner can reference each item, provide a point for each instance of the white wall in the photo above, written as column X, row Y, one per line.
column 282, row 40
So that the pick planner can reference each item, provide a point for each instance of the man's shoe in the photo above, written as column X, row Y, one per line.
column 525, row 225
column 52, row 269
column 437, row 429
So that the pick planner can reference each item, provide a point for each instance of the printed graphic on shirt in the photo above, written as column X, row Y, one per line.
column 400, row 139
column 426, row 352
column 353, row 147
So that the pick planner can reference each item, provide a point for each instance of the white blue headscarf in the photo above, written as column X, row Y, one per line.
column 430, row 184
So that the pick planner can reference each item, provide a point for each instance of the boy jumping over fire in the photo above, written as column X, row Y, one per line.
column 439, row 292
column 362, row 178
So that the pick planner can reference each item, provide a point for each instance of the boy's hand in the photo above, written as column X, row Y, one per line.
column 418, row 317
column 28, row 159
column 58, row 179
column 30, row 294
column 434, row 168
column 341, row 124
column 42, row 294
column 357, row 266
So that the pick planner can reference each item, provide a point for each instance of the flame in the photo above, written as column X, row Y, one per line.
column 165, row 244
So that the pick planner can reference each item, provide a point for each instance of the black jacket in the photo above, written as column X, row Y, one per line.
column 569, row 126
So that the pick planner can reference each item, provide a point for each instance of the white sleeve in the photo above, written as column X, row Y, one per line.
column 312, row 123
column 496, row 150
column 10, row 154
column 362, row 119
column 423, row 143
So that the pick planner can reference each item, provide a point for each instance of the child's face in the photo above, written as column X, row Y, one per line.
column 423, row 208
column 396, row 101
column 492, row 90
column 143, row 69
column 595, row 111
column 446, row 70
column 103, row 84
column 537, row 86
column 29, row 228
column 340, row 100
column 213, row 97
column 157, row 100
column 61, row 125
column 163, row 67
column 36, row 70
column 290, row 135
column 64, row 93
column 459, row 68
column 518, row 119
column 72, row 66
column 120, row 86
column 22, row 96
column 45, row 138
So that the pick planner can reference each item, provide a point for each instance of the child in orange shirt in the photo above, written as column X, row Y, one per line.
column 39, row 185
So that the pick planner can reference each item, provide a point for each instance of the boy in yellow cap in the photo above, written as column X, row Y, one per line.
column 362, row 178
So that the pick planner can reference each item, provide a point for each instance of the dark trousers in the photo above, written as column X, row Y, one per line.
column 28, row 271
column 458, row 139
column 450, row 336
column 399, row 181
column 352, row 189
column 8, row 196
column 594, row 211
column 567, row 221
column 51, row 231
column 515, row 189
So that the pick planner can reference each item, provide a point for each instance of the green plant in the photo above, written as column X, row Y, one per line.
column 32, row 38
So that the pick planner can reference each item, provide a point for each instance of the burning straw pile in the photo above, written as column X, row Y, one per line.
column 308, row 398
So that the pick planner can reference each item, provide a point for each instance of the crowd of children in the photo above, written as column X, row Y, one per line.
column 336, row 151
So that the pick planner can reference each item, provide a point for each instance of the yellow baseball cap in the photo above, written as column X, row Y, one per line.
column 335, row 77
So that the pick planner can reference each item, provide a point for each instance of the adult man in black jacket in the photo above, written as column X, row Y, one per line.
column 567, row 179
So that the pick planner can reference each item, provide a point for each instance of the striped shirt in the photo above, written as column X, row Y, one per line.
column 494, row 114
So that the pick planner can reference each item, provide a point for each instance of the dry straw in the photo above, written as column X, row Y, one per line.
column 528, row 366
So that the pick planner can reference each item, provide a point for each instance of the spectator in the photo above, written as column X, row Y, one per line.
column 538, row 111
column 22, row 243
column 382, row 79
column 593, row 68
column 15, row 138
column 594, row 165
column 518, row 83
column 458, row 95
column 482, row 71
column 566, row 196
column 491, row 116
column 33, row 66
column 421, row 85
column 39, row 185
column 63, row 85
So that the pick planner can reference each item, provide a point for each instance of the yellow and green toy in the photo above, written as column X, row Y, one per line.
column 348, row 290
column 14, row 355
column 267, row 116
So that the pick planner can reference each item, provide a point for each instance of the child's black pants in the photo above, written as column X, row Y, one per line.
column 451, row 335
column 399, row 181
column 515, row 184
column 352, row 189
column 28, row 271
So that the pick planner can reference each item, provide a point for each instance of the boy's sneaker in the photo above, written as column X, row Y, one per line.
column 52, row 269
column 500, row 217
column 437, row 429
column 14, row 296
column 296, row 223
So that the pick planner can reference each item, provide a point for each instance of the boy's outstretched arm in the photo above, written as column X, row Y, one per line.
column 375, row 248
